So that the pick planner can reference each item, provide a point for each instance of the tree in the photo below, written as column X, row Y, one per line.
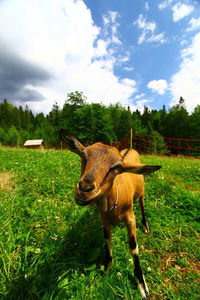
column 146, row 119
column 76, row 99
column 195, row 123
column 115, row 115
column 12, row 137
column 6, row 116
column 177, row 121
column 85, row 124
column 125, row 123
column 2, row 136
column 95, row 122
column 55, row 115
column 103, row 130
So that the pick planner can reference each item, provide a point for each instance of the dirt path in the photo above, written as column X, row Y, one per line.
column 5, row 180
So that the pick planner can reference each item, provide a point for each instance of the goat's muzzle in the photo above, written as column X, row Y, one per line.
column 87, row 196
column 83, row 202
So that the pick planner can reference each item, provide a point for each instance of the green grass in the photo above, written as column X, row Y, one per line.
column 49, row 246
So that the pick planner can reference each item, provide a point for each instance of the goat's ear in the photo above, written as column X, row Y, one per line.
column 140, row 169
column 71, row 142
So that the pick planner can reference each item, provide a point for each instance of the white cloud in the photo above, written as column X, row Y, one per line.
column 60, row 37
column 101, row 48
column 160, row 37
column 139, row 104
column 148, row 34
column 164, row 4
column 146, row 6
column 111, row 27
column 183, row 42
column 194, row 24
column 110, row 51
column 160, row 86
column 144, row 24
column 180, row 11
column 186, row 82
column 128, row 69
column 140, row 96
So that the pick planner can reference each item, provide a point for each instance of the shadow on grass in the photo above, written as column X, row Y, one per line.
column 81, row 248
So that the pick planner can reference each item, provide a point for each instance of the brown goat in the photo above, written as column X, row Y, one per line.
column 112, row 180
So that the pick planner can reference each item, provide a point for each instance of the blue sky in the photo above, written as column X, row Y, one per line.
column 132, row 52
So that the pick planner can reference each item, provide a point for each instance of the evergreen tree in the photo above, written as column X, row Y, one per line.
column 6, row 116
column 2, row 136
column 194, row 120
column 103, row 131
column 12, row 137
column 115, row 118
column 177, row 121
column 146, row 119
column 95, row 122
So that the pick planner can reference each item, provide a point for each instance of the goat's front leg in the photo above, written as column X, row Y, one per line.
column 133, row 248
column 108, row 249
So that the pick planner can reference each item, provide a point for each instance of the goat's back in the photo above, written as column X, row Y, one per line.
column 130, row 185
column 131, row 157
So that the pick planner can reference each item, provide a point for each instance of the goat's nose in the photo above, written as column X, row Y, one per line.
column 86, row 184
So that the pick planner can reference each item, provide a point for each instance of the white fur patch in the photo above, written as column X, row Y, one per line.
column 144, row 291
column 134, row 251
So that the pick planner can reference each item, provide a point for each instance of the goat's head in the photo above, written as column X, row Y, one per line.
column 100, row 164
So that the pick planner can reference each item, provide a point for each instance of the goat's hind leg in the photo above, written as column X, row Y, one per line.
column 133, row 249
column 144, row 221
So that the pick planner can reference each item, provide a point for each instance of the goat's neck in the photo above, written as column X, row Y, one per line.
column 110, row 200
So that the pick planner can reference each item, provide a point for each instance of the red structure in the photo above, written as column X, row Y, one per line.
column 145, row 143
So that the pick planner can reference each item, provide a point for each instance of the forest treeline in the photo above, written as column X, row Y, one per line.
column 94, row 122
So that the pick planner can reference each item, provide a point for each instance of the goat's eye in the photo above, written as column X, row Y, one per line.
column 116, row 167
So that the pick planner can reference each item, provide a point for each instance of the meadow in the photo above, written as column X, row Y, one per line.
column 50, row 248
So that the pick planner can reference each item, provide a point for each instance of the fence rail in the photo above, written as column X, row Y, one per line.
column 145, row 143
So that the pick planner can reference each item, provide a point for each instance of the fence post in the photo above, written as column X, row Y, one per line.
column 179, row 144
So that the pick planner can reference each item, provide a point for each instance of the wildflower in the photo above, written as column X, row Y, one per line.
column 130, row 261
column 55, row 237
column 119, row 275
column 37, row 250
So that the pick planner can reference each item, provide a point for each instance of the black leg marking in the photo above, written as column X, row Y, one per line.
column 105, row 234
column 138, row 271
column 108, row 250
column 108, row 257
column 140, row 277
column 144, row 222
column 133, row 247
column 132, row 243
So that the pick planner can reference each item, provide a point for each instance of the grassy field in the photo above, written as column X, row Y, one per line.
column 49, row 246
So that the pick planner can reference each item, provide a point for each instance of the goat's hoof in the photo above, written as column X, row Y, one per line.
column 144, row 291
column 146, row 228
column 107, row 268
